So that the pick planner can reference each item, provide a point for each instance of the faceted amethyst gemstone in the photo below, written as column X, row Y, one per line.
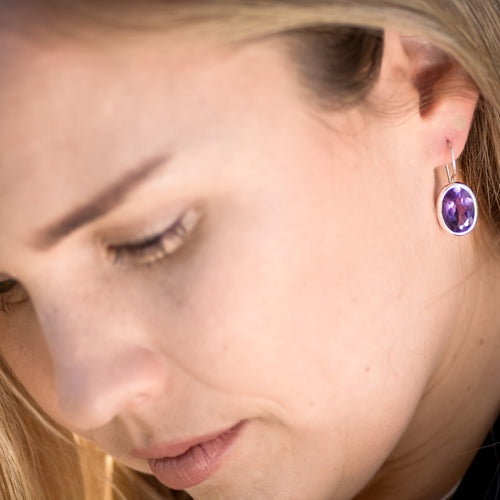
column 459, row 208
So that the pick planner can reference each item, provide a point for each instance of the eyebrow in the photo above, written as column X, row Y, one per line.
column 100, row 205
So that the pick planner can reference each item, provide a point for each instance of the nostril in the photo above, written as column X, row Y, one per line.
column 92, row 391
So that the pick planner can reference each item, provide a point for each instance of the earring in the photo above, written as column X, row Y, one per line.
column 456, row 205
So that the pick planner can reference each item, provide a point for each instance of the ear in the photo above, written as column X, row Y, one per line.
column 447, row 96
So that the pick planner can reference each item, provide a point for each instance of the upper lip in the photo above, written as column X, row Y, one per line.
column 176, row 448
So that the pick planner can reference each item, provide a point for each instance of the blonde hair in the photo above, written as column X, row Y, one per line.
column 38, row 459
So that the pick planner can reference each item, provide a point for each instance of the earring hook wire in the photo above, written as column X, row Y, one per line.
column 451, row 178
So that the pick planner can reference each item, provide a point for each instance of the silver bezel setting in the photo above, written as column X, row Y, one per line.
column 439, row 208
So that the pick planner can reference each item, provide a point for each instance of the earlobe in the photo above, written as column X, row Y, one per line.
column 447, row 94
column 451, row 110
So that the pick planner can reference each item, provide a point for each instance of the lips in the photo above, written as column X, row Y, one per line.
column 189, row 463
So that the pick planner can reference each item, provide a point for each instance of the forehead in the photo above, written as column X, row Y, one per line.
column 57, row 97
column 76, row 114
column 65, row 109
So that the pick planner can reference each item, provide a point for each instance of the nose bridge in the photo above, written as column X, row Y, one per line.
column 103, row 361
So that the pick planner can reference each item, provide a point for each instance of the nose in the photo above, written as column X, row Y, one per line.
column 103, row 366
column 94, row 388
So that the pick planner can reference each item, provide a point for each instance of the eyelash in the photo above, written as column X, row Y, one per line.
column 155, row 248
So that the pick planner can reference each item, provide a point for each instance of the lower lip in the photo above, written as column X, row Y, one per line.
column 195, row 465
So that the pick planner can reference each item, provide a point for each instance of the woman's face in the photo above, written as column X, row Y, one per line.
column 202, row 248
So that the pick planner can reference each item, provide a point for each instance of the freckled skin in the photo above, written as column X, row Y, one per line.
column 298, row 301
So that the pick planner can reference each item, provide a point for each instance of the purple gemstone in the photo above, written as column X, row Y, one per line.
column 459, row 209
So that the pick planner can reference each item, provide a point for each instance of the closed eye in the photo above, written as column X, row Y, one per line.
column 11, row 293
column 157, row 247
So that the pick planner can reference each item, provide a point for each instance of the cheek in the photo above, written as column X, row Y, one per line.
column 300, row 283
column 304, row 307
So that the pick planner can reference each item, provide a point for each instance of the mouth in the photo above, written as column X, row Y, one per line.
column 184, row 465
